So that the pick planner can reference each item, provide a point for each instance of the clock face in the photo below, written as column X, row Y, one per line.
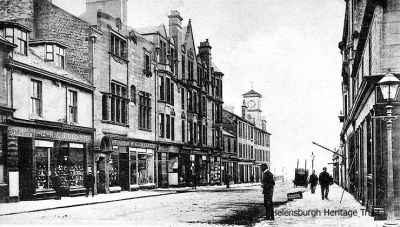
column 251, row 104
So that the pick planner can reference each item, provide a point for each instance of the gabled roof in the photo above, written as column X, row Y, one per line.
column 153, row 30
column 215, row 68
column 252, row 93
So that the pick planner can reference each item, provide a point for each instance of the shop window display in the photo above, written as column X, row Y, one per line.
column 146, row 167
column 70, row 166
column 114, row 170
column 133, row 168
column 42, row 163
column 215, row 173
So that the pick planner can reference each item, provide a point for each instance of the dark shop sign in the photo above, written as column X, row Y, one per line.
column 127, row 143
column 48, row 134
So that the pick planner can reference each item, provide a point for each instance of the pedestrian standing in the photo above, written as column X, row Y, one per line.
column 56, row 184
column 227, row 179
column 194, row 179
column 324, row 180
column 89, row 183
column 313, row 181
column 267, row 185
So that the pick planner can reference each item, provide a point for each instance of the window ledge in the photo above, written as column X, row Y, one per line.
column 114, row 123
column 165, row 101
column 145, row 129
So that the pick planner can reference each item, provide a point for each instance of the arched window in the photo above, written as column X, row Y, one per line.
column 133, row 94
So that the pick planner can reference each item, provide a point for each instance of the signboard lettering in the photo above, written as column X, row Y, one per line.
column 48, row 134
column 127, row 143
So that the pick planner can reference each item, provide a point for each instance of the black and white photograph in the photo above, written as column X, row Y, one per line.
column 171, row 113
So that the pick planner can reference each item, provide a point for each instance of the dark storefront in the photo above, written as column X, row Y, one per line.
column 132, row 165
column 42, row 150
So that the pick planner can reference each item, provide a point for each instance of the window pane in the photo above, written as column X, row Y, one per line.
column 49, row 48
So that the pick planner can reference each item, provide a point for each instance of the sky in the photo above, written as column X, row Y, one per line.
column 286, row 48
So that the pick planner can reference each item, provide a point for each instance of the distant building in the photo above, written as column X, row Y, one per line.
column 253, row 141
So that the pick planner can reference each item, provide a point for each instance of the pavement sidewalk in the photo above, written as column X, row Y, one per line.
column 313, row 211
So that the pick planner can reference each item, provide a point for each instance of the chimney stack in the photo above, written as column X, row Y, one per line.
column 264, row 124
column 205, row 50
column 244, row 109
column 116, row 8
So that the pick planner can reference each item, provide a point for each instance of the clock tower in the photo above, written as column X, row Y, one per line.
column 252, row 100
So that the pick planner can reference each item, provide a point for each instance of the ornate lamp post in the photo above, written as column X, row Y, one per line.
column 388, row 85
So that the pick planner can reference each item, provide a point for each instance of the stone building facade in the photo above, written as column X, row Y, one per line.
column 251, row 138
column 47, row 104
column 138, row 107
column 370, row 50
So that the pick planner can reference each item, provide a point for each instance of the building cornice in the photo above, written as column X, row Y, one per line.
column 48, row 74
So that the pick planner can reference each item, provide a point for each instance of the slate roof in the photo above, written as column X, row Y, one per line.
column 252, row 93
column 35, row 61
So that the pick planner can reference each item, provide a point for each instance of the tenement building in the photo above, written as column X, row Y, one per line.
column 370, row 138
column 189, row 104
column 46, row 102
column 252, row 139
column 140, row 108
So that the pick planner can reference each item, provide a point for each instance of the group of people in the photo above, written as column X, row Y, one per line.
column 268, row 184
column 324, row 181
column 88, row 182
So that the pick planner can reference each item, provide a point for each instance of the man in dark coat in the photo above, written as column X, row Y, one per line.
column 56, row 184
column 228, row 178
column 267, row 185
column 313, row 181
column 194, row 179
column 89, row 183
column 324, row 181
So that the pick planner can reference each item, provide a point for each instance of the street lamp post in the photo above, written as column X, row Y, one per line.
column 312, row 161
column 388, row 85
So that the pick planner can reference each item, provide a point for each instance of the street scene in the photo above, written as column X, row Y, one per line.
column 200, row 113
column 239, row 205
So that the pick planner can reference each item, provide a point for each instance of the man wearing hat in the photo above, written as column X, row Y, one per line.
column 324, row 180
column 267, row 185
column 89, row 183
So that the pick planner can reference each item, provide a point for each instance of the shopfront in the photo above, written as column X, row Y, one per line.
column 215, row 170
column 169, row 166
column 44, row 151
column 5, row 160
column 132, row 165
column 229, row 167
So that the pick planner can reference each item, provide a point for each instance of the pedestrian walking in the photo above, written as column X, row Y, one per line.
column 313, row 181
column 324, row 180
column 267, row 185
column 56, row 184
column 89, row 183
column 228, row 178
column 194, row 179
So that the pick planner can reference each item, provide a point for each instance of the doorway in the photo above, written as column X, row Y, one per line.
column 101, row 175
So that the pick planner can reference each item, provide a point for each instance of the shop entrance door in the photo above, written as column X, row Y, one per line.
column 101, row 175
column 124, row 171
column 25, row 156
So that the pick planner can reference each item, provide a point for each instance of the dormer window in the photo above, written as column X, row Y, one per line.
column 17, row 37
column 56, row 54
